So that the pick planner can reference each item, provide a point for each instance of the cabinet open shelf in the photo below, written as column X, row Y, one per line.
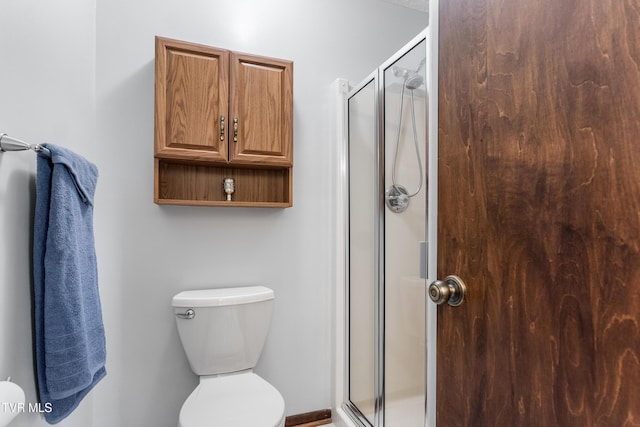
column 196, row 184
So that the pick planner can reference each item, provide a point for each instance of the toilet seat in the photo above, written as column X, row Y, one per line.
column 236, row 400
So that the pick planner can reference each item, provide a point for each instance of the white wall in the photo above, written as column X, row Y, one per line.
column 83, row 78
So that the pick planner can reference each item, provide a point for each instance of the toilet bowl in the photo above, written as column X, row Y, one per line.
column 223, row 331
column 240, row 400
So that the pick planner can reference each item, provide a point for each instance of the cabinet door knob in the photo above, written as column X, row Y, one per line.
column 235, row 129
column 221, row 128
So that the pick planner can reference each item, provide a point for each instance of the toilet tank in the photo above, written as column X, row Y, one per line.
column 223, row 330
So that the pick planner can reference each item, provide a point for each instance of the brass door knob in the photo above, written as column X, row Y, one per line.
column 451, row 291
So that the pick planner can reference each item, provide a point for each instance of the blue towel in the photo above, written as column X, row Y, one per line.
column 69, row 333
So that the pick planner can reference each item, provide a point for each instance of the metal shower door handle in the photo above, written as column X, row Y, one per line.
column 451, row 291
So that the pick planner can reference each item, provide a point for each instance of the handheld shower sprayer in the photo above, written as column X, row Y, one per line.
column 414, row 81
column 412, row 78
column 397, row 197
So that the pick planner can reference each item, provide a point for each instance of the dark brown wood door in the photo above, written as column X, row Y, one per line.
column 539, row 212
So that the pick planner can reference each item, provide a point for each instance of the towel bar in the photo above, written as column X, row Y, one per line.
column 9, row 143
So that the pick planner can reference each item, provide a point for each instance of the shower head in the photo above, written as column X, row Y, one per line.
column 413, row 81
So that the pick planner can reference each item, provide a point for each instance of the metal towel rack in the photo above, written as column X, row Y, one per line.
column 9, row 143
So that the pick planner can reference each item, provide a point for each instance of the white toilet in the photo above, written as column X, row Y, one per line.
column 223, row 332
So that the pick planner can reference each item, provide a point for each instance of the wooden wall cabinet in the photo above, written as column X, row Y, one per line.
column 221, row 114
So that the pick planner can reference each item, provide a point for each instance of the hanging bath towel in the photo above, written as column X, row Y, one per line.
column 69, row 333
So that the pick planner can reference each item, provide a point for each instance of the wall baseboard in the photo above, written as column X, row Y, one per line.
column 309, row 419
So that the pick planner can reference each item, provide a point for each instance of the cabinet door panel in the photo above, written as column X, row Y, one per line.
column 262, row 100
column 191, row 97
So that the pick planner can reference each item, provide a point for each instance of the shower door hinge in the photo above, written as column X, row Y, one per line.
column 423, row 260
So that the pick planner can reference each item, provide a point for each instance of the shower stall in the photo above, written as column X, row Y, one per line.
column 388, row 324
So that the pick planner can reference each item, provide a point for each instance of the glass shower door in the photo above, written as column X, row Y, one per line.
column 405, row 187
column 363, row 252
column 387, row 211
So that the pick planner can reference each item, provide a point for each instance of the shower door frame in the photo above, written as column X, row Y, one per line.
column 378, row 79
column 352, row 410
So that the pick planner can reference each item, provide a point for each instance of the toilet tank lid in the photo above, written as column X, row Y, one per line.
column 222, row 296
